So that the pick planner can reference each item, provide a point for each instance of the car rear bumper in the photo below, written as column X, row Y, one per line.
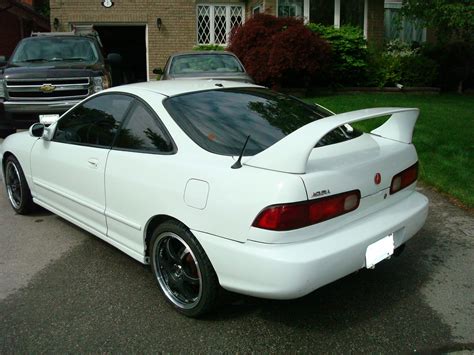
column 287, row 271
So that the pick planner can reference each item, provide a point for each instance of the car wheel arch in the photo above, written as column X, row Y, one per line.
column 4, row 159
column 151, row 225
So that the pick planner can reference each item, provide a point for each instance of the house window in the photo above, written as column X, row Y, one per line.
column 322, row 11
column 398, row 27
column 256, row 10
column 294, row 8
column 352, row 13
column 339, row 13
column 215, row 22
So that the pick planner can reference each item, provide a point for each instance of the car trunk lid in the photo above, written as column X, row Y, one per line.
column 366, row 163
column 333, row 169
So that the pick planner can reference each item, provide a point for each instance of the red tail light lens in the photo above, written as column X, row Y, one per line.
column 302, row 214
column 404, row 179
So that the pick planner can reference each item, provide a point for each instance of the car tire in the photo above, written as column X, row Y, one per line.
column 182, row 269
column 18, row 192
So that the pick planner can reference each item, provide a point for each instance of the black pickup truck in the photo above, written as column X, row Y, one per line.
column 48, row 74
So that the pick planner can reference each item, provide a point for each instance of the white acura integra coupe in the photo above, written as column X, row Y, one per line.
column 226, row 184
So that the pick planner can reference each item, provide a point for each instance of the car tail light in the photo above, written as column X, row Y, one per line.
column 404, row 178
column 302, row 214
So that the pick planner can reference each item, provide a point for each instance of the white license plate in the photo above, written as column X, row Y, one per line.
column 378, row 251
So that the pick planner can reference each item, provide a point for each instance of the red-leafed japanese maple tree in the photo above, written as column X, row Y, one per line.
column 280, row 51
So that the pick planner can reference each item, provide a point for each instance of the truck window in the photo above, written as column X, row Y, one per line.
column 55, row 49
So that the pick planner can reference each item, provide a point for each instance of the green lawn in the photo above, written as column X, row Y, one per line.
column 444, row 135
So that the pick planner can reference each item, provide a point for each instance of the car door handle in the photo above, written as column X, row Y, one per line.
column 93, row 163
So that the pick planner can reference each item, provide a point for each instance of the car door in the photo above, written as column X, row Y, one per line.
column 68, row 171
column 137, row 171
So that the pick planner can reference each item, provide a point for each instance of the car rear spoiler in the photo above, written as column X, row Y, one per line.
column 291, row 153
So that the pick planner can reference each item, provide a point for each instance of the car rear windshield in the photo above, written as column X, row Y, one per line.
column 56, row 49
column 220, row 120
column 204, row 63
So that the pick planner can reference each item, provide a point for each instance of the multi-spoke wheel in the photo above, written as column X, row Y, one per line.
column 182, row 269
column 17, row 188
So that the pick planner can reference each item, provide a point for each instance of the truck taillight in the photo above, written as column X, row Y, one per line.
column 290, row 216
column 404, row 178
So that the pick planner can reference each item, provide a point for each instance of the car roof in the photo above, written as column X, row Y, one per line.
column 177, row 87
column 202, row 53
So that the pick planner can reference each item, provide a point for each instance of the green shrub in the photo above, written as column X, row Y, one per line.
column 400, row 63
column 456, row 64
column 418, row 70
column 384, row 70
column 349, row 48
column 208, row 47
column 281, row 51
column 401, row 49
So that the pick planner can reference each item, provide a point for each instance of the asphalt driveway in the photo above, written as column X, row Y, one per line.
column 63, row 290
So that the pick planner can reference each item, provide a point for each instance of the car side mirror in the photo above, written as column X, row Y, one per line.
column 114, row 58
column 49, row 132
column 37, row 130
column 44, row 129
column 158, row 71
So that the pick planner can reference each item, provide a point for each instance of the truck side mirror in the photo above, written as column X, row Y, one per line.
column 158, row 71
column 114, row 58
column 3, row 60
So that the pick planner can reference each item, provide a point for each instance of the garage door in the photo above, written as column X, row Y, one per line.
column 130, row 43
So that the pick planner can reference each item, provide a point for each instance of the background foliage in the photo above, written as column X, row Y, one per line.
column 452, row 19
column 281, row 51
column 208, row 47
column 401, row 63
column 456, row 64
column 349, row 61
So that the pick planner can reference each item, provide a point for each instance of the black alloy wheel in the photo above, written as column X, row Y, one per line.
column 18, row 191
column 182, row 269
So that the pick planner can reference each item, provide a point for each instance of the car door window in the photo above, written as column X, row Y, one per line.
column 143, row 132
column 95, row 122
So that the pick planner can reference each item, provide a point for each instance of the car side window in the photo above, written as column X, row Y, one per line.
column 95, row 122
column 143, row 132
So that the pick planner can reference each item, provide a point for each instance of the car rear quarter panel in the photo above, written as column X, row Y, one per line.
column 149, row 185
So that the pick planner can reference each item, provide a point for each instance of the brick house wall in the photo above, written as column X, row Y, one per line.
column 375, row 17
column 17, row 20
column 178, row 31
column 10, row 33
column 268, row 6
column 375, row 26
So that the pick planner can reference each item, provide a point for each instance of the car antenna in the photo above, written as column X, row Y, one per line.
column 238, row 163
